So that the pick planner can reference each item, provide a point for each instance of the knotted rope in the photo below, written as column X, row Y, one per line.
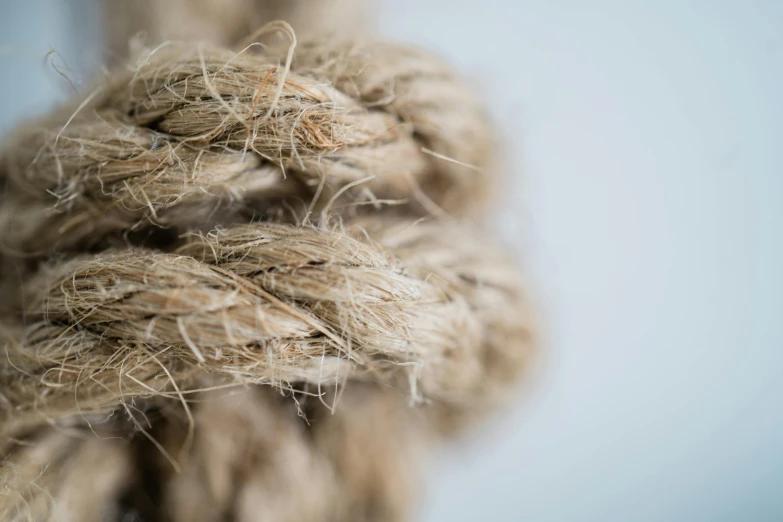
column 249, row 273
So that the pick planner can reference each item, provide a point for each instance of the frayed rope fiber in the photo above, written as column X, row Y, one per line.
column 239, row 284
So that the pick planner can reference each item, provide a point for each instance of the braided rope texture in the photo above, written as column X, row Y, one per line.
column 242, row 287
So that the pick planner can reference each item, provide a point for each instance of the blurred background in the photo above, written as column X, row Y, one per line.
column 644, row 145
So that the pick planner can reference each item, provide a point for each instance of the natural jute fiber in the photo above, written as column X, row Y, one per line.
column 241, row 284
column 226, row 22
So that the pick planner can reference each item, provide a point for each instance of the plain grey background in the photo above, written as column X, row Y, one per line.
column 645, row 179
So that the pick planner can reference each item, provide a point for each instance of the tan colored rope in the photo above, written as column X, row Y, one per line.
column 250, row 274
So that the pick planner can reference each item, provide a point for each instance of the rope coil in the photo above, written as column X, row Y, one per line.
column 212, row 220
